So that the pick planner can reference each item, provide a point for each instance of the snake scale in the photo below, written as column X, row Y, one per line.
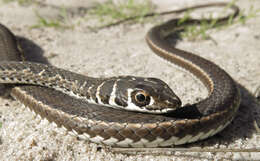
column 80, row 103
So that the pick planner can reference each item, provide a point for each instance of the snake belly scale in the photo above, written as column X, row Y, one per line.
column 79, row 103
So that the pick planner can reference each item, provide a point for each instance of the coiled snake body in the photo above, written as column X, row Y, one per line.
column 79, row 103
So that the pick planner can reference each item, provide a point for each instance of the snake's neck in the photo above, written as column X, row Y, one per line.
column 222, row 90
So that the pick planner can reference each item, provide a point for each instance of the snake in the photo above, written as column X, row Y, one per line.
column 125, row 111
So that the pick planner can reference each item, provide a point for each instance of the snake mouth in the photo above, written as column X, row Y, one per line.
column 160, row 111
column 165, row 106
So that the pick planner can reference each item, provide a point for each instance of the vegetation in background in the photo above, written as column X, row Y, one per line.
column 21, row 2
column 61, row 21
column 252, row 13
column 114, row 12
column 0, row 125
column 193, row 32
column 109, row 12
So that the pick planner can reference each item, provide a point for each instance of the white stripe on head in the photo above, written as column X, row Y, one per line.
column 112, row 97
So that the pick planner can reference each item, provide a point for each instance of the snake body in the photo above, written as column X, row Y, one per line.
column 79, row 103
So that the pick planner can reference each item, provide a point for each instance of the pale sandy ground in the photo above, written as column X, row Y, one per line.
column 122, row 50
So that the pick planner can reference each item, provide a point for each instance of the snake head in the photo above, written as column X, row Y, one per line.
column 150, row 95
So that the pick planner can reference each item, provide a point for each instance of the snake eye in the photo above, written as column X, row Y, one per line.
column 140, row 98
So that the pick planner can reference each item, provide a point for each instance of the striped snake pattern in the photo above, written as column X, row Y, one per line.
column 154, row 116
